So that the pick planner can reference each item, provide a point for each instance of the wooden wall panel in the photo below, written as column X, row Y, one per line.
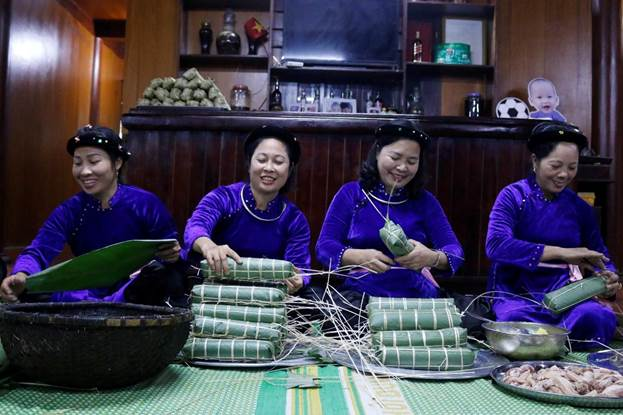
column 550, row 39
column 110, row 88
column 48, row 87
column 4, row 31
column 470, row 161
column 152, row 45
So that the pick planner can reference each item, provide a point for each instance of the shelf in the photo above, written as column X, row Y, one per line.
column 338, row 74
column 228, row 61
column 237, row 5
column 438, row 8
column 440, row 69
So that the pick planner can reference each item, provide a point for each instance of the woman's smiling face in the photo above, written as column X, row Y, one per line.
column 270, row 166
column 94, row 171
column 398, row 163
column 556, row 171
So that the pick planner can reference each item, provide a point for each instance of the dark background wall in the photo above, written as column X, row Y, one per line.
column 48, row 53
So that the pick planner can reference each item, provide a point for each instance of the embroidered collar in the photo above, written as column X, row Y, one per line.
column 399, row 195
column 274, row 209
column 536, row 189
column 116, row 197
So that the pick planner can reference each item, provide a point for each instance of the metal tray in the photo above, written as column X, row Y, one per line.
column 484, row 363
column 291, row 356
column 303, row 361
column 607, row 359
column 574, row 400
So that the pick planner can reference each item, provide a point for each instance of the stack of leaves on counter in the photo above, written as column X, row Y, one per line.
column 239, row 323
column 191, row 89
column 419, row 333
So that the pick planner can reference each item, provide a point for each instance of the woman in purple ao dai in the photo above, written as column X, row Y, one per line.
column 254, row 218
column 539, row 231
column 391, row 182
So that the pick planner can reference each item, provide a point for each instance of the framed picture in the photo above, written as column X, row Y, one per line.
column 309, row 107
column 469, row 31
column 339, row 105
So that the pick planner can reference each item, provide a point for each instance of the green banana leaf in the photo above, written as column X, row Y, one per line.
column 4, row 361
column 427, row 358
column 242, row 313
column 100, row 268
column 435, row 319
column 396, row 303
column 450, row 337
column 574, row 293
column 252, row 269
column 232, row 329
column 395, row 239
column 229, row 350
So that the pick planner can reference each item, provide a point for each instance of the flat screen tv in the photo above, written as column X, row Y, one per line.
column 342, row 32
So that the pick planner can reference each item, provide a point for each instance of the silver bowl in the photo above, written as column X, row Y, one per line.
column 526, row 341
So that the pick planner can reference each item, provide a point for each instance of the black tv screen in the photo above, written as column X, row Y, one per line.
column 342, row 32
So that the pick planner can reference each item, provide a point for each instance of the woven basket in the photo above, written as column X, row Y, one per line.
column 91, row 344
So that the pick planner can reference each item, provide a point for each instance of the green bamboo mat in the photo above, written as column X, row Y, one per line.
column 177, row 390
column 182, row 389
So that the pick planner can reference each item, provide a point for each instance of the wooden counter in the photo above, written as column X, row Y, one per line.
column 183, row 153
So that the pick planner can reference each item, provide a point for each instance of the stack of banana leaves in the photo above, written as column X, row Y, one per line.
column 419, row 333
column 240, row 323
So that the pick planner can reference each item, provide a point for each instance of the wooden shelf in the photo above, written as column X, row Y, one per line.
column 227, row 61
column 261, row 5
column 437, row 8
column 440, row 69
column 338, row 74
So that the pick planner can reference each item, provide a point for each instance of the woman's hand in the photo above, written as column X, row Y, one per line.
column 421, row 256
column 169, row 252
column 579, row 256
column 12, row 287
column 612, row 282
column 294, row 283
column 217, row 257
column 372, row 259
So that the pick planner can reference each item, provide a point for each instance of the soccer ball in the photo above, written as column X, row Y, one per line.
column 511, row 107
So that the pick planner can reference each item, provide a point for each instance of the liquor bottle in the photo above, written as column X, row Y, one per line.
column 414, row 102
column 369, row 102
column 417, row 48
column 275, row 98
column 378, row 101
column 348, row 93
column 228, row 41
column 205, row 37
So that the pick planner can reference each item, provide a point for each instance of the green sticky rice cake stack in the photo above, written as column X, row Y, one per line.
column 239, row 323
column 419, row 333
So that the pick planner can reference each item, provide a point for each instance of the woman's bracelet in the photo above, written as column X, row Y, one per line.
column 437, row 260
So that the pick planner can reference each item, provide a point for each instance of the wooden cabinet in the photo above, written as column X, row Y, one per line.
column 442, row 86
column 227, row 70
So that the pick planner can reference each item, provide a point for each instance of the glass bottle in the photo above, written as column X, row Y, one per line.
column 417, row 48
column 275, row 98
column 473, row 102
column 414, row 102
column 240, row 99
column 205, row 37
column 303, row 98
column 369, row 102
column 378, row 101
column 228, row 41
